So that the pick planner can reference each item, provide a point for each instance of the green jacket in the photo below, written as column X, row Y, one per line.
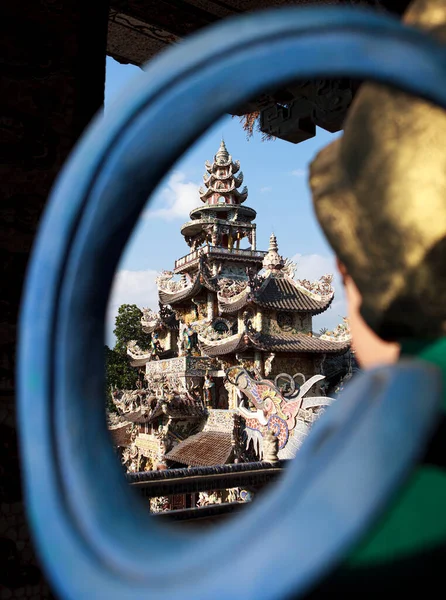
column 406, row 550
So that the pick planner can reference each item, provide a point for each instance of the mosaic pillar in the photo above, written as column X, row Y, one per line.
column 254, row 240
column 258, row 361
column 259, row 321
column 210, row 306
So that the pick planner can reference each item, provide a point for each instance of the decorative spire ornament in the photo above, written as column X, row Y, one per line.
column 273, row 262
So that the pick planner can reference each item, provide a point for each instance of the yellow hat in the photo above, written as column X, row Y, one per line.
column 380, row 196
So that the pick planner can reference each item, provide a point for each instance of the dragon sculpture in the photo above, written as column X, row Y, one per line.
column 166, row 282
column 288, row 417
column 322, row 287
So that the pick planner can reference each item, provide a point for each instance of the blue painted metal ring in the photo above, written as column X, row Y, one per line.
column 94, row 538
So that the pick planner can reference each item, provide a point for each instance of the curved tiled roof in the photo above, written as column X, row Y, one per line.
column 300, row 342
column 204, row 449
column 286, row 342
column 120, row 434
column 225, row 346
column 283, row 293
column 141, row 415
column 188, row 292
column 231, row 305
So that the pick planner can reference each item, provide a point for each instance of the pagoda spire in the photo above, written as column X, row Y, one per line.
column 221, row 180
column 222, row 155
column 222, row 221
column 273, row 263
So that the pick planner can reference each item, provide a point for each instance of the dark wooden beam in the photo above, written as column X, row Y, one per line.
column 174, row 16
column 153, row 484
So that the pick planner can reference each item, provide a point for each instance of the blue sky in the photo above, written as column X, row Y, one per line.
column 276, row 175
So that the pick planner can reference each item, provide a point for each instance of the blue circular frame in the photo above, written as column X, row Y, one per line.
column 91, row 531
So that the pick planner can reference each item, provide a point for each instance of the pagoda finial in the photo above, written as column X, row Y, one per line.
column 273, row 262
column 222, row 155
column 273, row 246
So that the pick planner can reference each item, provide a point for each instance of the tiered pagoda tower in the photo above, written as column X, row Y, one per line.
column 222, row 221
column 224, row 306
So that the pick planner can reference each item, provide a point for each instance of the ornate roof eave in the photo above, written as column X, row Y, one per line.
column 150, row 327
column 241, row 196
column 229, row 345
column 296, row 343
column 213, row 176
column 139, row 362
column 239, row 180
column 315, row 296
column 210, row 189
column 235, row 164
column 136, row 354
column 150, row 321
column 121, row 434
column 302, row 301
column 312, row 311
column 234, row 304
column 188, row 292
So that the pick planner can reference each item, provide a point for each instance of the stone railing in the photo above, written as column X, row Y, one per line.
column 216, row 250
column 194, row 365
column 171, row 482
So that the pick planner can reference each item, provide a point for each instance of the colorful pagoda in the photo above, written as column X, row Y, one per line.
column 224, row 307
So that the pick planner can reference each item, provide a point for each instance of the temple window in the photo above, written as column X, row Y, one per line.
column 285, row 320
column 221, row 327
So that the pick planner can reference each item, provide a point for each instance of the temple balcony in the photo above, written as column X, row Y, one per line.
column 218, row 209
column 195, row 226
column 185, row 263
column 195, row 366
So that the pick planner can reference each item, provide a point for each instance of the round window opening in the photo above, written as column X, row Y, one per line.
column 221, row 327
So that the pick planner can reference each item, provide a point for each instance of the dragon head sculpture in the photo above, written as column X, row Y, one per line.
column 288, row 418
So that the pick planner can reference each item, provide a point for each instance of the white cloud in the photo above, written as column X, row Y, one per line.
column 266, row 189
column 298, row 172
column 130, row 287
column 312, row 267
column 178, row 198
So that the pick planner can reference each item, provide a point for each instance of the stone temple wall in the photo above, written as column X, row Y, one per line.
column 52, row 83
column 291, row 365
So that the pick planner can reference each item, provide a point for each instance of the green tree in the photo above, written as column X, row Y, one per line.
column 118, row 371
column 128, row 327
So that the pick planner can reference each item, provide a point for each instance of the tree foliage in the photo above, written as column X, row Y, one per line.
column 251, row 123
column 128, row 327
column 119, row 372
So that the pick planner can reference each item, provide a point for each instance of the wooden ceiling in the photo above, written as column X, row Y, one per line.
column 138, row 29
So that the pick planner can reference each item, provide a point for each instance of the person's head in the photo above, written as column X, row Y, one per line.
column 380, row 196
column 370, row 350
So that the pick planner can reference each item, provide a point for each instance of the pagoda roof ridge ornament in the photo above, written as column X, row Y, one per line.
column 273, row 263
